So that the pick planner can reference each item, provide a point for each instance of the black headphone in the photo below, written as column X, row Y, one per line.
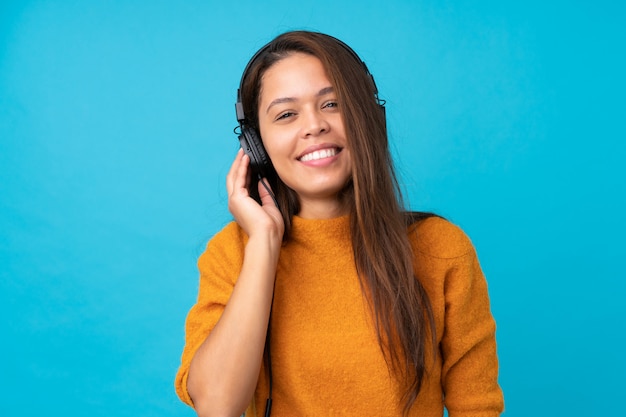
column 249, row 137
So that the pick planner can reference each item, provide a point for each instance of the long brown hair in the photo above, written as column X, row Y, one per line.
column 378, row 223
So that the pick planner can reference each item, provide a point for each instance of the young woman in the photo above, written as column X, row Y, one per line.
column 368, row 310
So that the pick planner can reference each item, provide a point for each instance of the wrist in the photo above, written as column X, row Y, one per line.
column 267, row 244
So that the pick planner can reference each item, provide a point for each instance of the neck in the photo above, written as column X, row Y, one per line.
column 322, row 209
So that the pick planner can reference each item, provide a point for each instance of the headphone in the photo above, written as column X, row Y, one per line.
column 249, row 137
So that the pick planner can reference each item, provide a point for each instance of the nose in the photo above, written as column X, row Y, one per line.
column 314, row 124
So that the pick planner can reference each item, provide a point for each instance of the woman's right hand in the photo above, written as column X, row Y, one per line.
column 252, row 217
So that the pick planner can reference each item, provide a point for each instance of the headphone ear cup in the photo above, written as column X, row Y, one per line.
column 253, row 147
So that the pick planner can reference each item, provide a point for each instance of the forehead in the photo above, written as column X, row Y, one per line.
column 296, row 73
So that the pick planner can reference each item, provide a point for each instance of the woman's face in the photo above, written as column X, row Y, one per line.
column 303, row 132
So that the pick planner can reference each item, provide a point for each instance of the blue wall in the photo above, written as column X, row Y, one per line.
column 116, row 126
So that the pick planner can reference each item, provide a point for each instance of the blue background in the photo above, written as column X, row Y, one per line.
column 116, row 123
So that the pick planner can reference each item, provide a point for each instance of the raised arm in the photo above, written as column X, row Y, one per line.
column 224, row 370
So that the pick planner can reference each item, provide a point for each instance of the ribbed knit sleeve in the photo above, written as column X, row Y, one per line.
column 467, row 343
column 219, row 268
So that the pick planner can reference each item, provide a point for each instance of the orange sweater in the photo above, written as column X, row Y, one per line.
column 326, row 360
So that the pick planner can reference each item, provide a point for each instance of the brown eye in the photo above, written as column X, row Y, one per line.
column 285, row 115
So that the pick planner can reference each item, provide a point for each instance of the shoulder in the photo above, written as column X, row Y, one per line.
column 439, row 238
column 225, row 248
column 230, row 236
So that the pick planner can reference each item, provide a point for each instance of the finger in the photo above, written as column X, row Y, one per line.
column 266, row 194
column 242, row 179
column 232, row 172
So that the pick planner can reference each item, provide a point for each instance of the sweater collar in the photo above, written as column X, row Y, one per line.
column 311, row 230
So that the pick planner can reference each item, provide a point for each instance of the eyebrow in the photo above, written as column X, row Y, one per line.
column 322, row 92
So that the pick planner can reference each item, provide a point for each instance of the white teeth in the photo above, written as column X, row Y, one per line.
column 321, row 154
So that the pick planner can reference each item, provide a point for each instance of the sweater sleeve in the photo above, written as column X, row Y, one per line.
column 470, row 365
column 219, row 268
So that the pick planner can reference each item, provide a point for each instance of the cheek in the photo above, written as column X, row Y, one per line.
column 276, row 143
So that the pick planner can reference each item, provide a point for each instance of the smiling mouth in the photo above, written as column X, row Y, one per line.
column 321, row 154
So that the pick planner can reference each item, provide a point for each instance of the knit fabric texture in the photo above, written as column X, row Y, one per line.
column 326, row 359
